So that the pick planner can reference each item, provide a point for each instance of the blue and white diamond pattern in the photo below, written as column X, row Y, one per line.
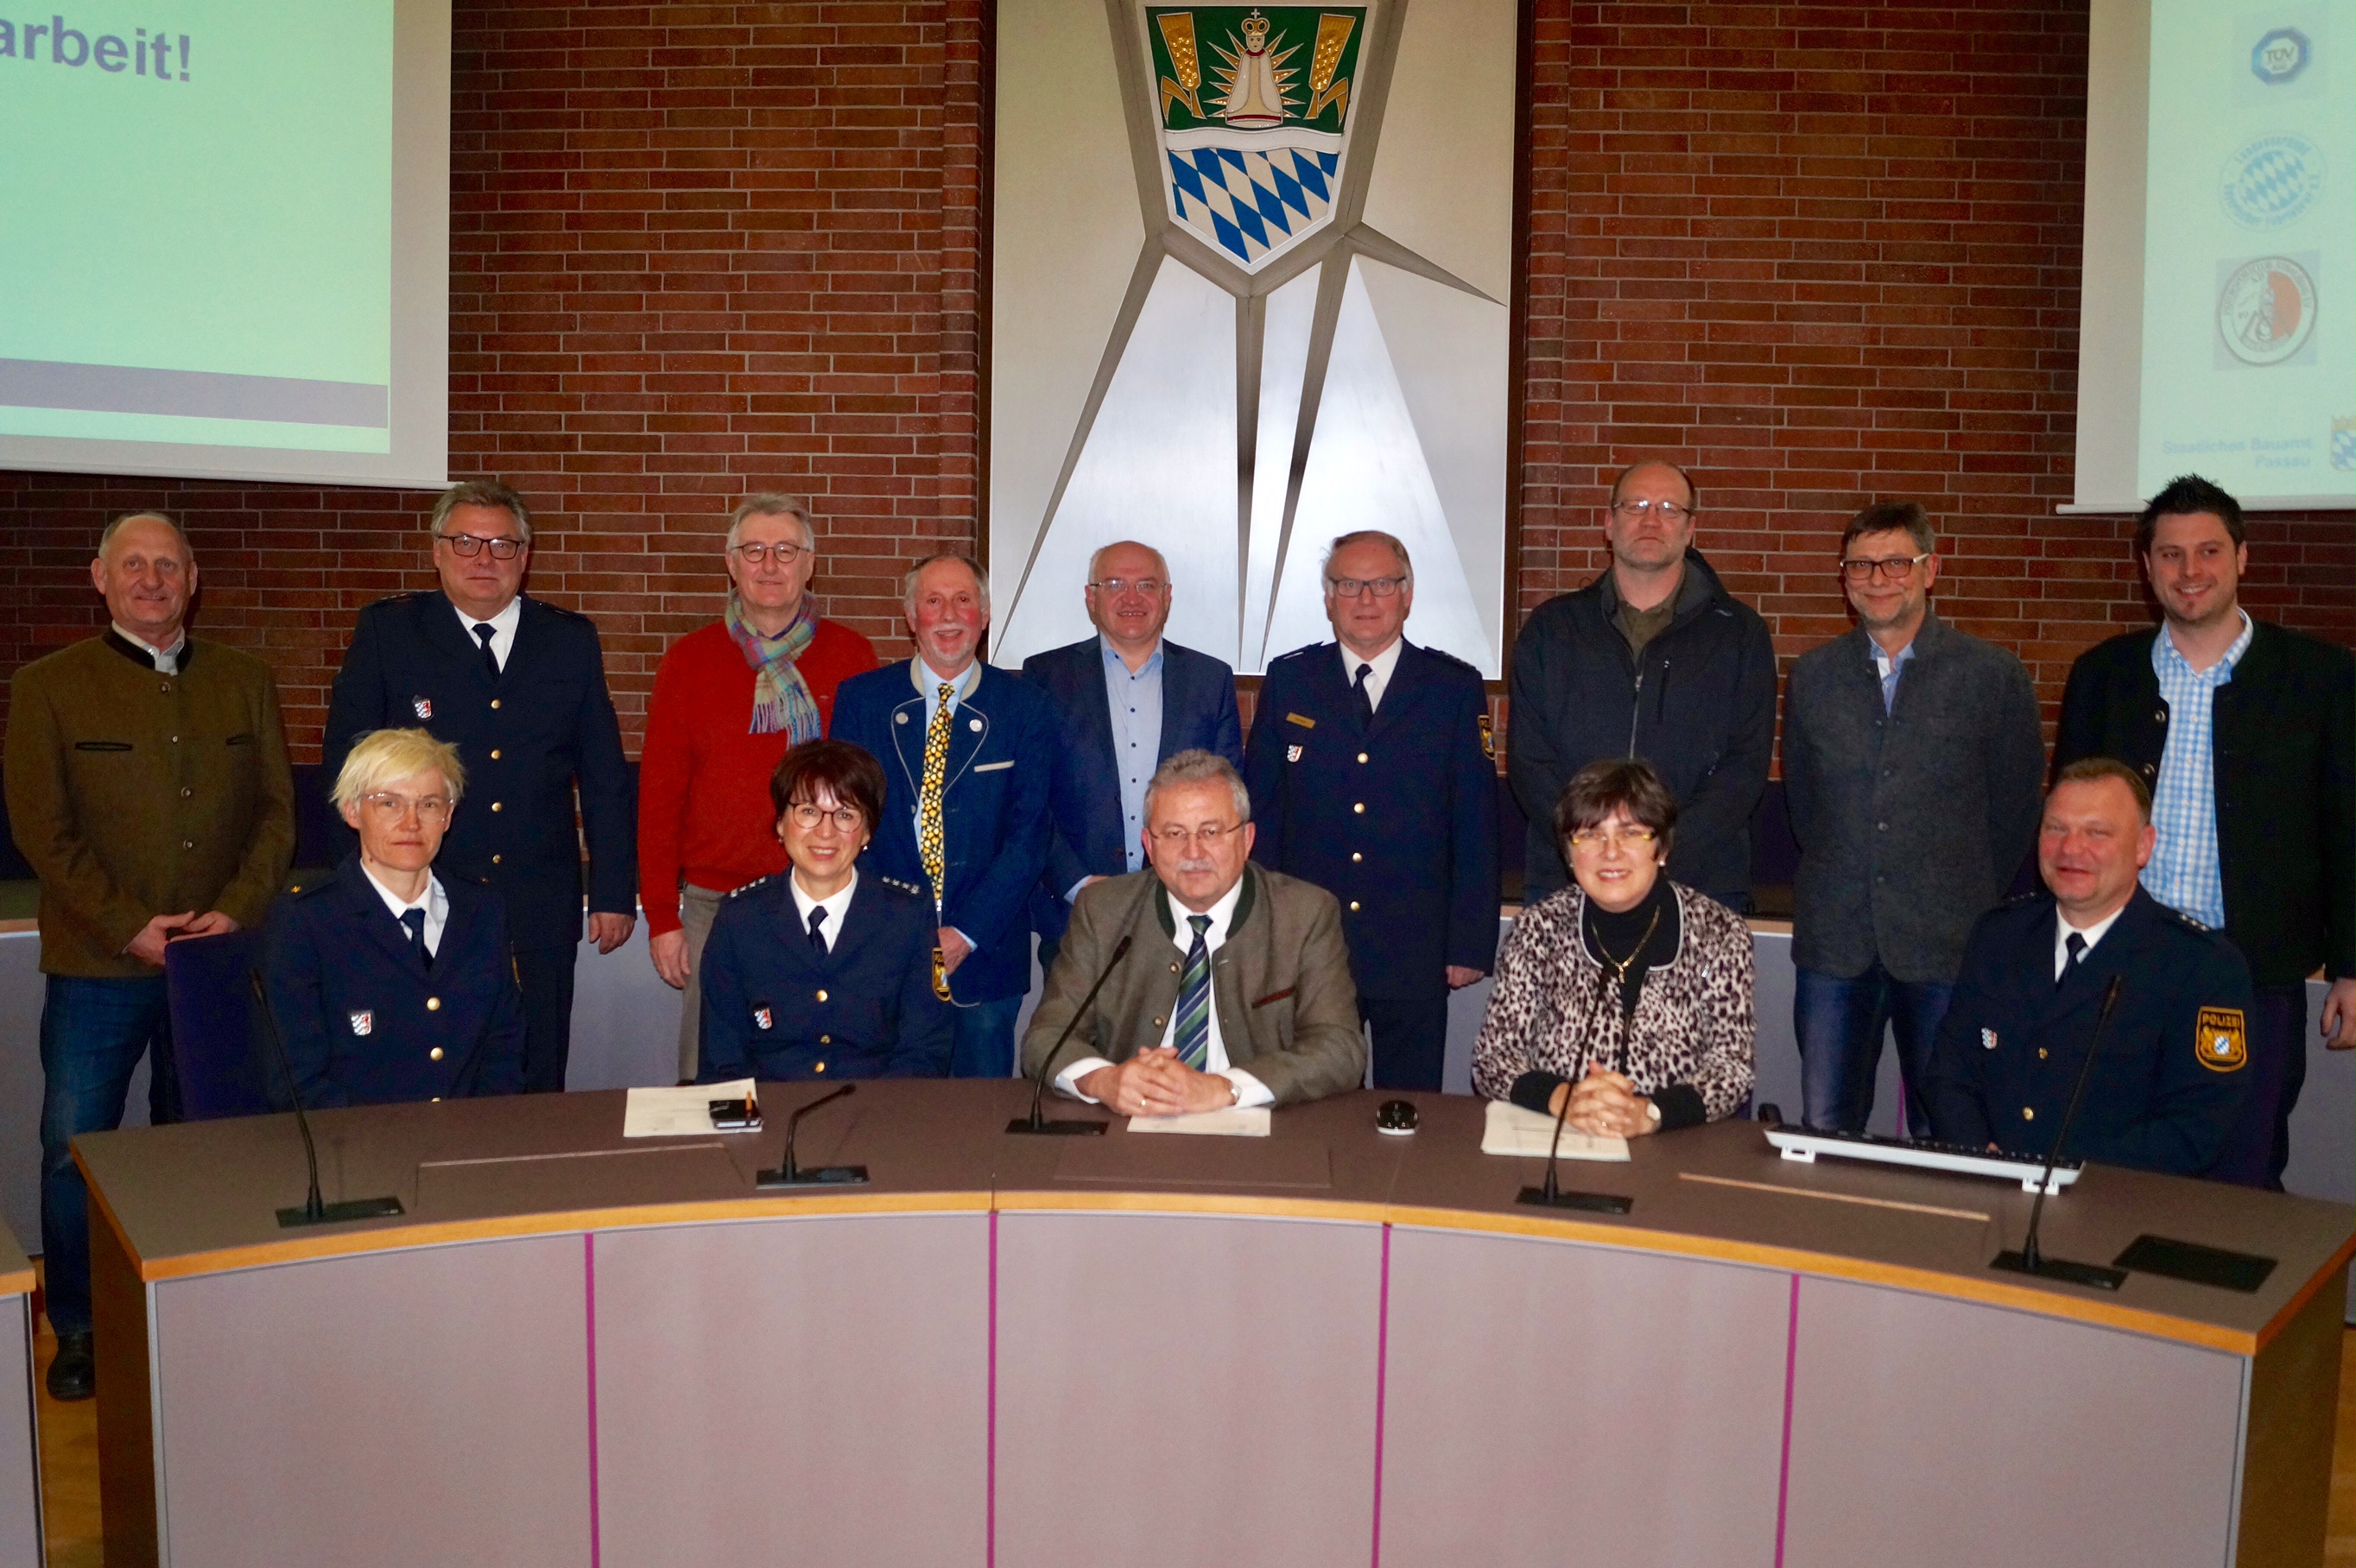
column 1252, row 204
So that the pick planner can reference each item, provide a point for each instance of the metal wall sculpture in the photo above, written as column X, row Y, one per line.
column 1250, row 267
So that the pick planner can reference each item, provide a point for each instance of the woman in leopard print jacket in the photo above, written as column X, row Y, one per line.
column 1625, row 994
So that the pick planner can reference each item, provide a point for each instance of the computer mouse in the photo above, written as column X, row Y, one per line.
column 1396, row 1117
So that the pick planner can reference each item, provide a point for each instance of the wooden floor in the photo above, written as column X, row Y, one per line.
column 70, row 1468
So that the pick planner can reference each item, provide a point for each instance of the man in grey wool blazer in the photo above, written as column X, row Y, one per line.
column 1911, row 762
column 1235, row 988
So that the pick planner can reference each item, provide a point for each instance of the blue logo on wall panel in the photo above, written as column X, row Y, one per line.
column 2272, row 181
column 2280, row 56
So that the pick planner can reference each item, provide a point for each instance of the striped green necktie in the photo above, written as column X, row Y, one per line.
column 1192, row 1034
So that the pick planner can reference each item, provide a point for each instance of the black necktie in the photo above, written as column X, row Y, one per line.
column 818, row 937
column 2077, row 947
column 484, row 632
column 1365, row 697
column 415, row 920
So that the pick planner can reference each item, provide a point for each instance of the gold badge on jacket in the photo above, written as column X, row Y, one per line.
column 1488, row 738
column 2223, row 1039
column 940, row 975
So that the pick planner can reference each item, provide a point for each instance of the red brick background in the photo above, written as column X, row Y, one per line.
column 1820, row 254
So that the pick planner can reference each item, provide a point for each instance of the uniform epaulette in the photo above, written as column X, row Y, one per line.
column 911, row 888
column 2018, row 899
column 2180, row 918
column 568, row 615
column 311, row 889
column 748, row 887
column 1444, row 657
column 1300, row 653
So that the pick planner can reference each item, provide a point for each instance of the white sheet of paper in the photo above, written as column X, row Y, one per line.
column 1513, row 1130
column 1235, row 1122
column 677, row 1113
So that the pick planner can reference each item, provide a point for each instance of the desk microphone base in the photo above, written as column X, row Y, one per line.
column 336, row 1213
column 1025, row 1127
column 1592, row 1203
column 2094, row 1276
column 816, row 1175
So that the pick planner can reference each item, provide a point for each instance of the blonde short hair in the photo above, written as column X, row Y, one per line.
column 384, row 755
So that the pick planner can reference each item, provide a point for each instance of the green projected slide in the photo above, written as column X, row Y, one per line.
column 195, row 221
column 2249, row 360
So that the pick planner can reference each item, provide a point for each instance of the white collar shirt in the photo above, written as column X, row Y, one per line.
column 836, row 904
column 2092, row 934
column 1378, row 677
column 503, row 628
column 166, row 660
column 434, row 902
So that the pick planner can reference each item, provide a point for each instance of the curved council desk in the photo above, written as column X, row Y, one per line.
column 21, row 1542
column 1322, row 1346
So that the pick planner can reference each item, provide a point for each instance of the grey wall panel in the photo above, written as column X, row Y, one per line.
column 20, row 1457
column 409, row 1407
column 1919, row 1436
column 1183, row 1389
column 795, row 1391
column 1547, row 1402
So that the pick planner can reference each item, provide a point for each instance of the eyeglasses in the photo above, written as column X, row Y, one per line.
column 394, row 807
column 808, row 817
column 1892, row 568
column 1151, row 586
column 1207, row 835
column 786, row 554
column 1669, row 512
column 469, row 546
column 1613, row 838
column 1351, row 587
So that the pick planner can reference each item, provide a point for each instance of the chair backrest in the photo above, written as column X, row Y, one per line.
column 208, row 980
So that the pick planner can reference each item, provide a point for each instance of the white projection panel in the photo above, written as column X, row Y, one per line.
column 231, row 257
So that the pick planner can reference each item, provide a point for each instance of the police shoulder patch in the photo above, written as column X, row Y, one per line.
column 1488, row 738
column 2222, row 1038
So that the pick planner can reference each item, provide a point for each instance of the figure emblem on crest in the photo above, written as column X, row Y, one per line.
column 423, row 705
column 363, row 1021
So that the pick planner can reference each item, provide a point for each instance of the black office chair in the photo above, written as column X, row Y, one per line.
column 207, row 982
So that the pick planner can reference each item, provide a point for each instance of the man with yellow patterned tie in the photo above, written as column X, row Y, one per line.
column 968, row 756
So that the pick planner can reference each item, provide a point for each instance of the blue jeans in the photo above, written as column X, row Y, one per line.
column 984, row 1043
column 1840, row 1023
column 93, row 1032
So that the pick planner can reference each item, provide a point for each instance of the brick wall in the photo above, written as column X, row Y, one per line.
column 702, row 250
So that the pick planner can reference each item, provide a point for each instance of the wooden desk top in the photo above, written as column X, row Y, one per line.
column 201, row 1197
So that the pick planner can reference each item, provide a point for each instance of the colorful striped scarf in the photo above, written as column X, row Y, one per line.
column 781, row 697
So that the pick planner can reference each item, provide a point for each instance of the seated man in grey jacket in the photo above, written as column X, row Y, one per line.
column 1236, row 987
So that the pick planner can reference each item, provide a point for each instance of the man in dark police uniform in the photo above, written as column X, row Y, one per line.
column 520, row 685
column 1371, row 775
column 2170, row 1080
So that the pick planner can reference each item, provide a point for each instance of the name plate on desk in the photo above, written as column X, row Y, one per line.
column 592, row 1178
column 1125, row 1161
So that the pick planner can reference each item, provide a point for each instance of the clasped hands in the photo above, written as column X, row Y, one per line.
column 163, row 929
column 1154, row 1082
column 1604, row 1104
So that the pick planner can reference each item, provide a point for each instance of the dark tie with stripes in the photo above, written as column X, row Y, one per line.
column 1193, row 1035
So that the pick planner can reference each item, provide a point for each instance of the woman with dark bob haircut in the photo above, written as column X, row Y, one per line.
column 1624, row 995
column 820, row 972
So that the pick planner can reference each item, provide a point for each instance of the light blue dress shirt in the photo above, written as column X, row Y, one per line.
column 1889, row 670
column 1135, row 700
column 2183, row 872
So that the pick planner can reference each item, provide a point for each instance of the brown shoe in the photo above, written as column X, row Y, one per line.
column 74, row 1374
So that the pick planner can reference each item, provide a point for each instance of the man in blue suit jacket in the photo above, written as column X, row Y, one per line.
column 1131, row 702
column 520, row 687
column 996, row 736
column 1372, row 775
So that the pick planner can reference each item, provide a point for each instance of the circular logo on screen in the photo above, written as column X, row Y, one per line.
column 2266, row 310
column 2280, row 56
column 2272, row 181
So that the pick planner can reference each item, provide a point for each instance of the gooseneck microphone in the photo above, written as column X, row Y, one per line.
column 789, row 1174
column 1551, row 1195
column 315, row 1210
column 2028, row 1260
column 1035, row 1124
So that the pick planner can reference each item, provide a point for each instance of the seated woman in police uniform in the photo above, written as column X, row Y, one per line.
column 386, row 981
column 1625, row 997
column 821, row 972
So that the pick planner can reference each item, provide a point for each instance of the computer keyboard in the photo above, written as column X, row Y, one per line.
column 1959, row 1158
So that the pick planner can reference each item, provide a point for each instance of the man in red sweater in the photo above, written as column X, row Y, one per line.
column 729, row 700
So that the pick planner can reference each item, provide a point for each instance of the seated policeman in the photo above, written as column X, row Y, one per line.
column 1624, row 995
column 821, row 972
column 2170, row 1080
column 388, row 982
column 1236, row 989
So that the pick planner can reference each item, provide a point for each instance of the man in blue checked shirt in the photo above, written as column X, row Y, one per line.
column 2247, row 733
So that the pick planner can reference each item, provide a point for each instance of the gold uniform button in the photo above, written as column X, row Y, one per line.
column 432, row 1004
column 1354, row 906
column 495, row 805
column 495, row 702
column 435, row 1054
column 1362, row 756
column 495, row 860
column 495, row 754
column 819, row 1068
column 2041, row 1053
column 1360, row 808
column 1355, row 857
column 437, row 1099
column 821, row 996
column 826, row 1040
column 2029, row 1113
